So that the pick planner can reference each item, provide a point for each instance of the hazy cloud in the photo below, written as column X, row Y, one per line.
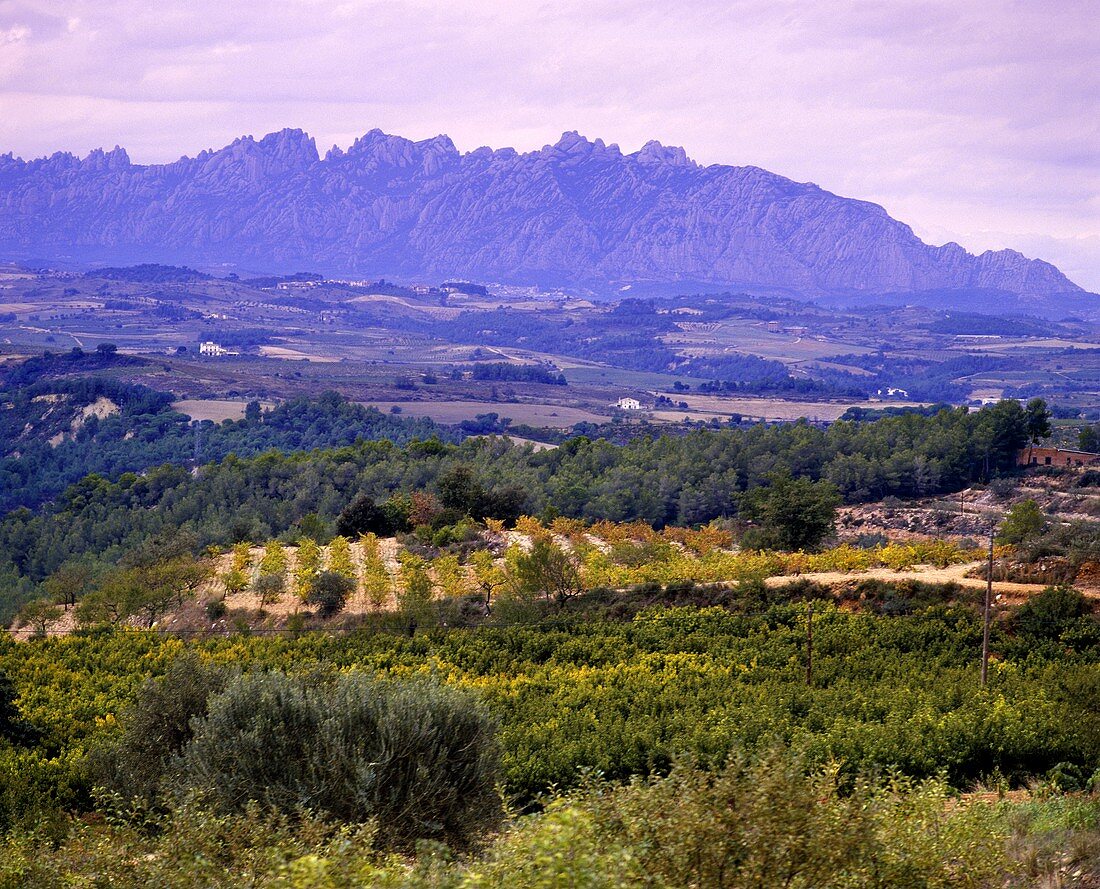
column 962, row 118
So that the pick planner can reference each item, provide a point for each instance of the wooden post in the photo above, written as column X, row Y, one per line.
column 809, row 643
column 986, row 610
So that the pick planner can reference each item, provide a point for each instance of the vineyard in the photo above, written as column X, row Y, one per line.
column 576, row 696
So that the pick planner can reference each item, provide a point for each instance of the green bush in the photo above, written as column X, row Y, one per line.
column 419, row 758
column 133, row 763
column 1024, row 521
column 753, row 824
column 329, row 591
column 1050, row 613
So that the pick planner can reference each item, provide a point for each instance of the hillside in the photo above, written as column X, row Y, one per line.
column 573, row 212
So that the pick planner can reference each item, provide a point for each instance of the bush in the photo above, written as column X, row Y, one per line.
column 419, row 758
column 773, row 822
column 1050, row 613
column 156, row 727
column 1025, row 520
column 329, row 591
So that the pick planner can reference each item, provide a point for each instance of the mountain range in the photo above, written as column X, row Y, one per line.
column 576, row 212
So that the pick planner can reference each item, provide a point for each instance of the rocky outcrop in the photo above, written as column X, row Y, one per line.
column 574, row 212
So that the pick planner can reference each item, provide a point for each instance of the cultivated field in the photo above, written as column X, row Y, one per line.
column 212, row 409
column 704, row 407
column 554, row 416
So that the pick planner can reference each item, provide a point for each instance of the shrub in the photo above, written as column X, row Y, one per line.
column 1024, row 520
column 1048, row 614
column 329, row 591
column 419, row 758
column 13, row 727
column 772, row 822
column 154, row 728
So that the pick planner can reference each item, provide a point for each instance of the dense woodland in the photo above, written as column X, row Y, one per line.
column 147, row 432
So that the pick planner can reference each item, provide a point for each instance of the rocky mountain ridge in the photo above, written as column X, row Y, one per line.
column 578, row 211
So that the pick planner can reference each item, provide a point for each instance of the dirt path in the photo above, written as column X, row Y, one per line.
column 1009, row 591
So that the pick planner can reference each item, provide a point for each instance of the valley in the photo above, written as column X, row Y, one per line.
column 715, row 357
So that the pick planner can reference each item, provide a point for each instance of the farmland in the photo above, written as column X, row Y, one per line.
column 297, row 337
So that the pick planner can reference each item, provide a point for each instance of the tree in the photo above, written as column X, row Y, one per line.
column 1037, row 419
column 242, row 557
column 364, row 516
column 39, row 614
column 233, row 582
column 1088, row 439
column 69, row 582
column 458, row 489
column 273, row 560
column 414, row 589
column 115, row 600
column 329, row 591
column 376, row 579
column 339, row 557
column 269, row 588
column 309, row 564
column 1023, row 521
column 790, row 514
column 488, row 576
column 451, row 576
column 1002, row 430
column 252, row 412
column 148, row 591
column 548, row 570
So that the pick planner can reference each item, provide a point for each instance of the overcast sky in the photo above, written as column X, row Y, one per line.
column 972, row 120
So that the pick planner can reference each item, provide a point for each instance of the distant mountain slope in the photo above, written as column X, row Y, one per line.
column 577, row 211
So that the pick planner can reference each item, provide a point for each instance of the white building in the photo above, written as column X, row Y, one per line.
column 211, row 349
column 628, row 404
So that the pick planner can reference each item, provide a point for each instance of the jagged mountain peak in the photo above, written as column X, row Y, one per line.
column 653, row 152
column 576, row 211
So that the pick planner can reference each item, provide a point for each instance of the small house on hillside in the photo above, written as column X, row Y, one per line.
column 628, row 404
column 1056, row 457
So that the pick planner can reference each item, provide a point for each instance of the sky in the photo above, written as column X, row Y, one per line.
column 972, row 120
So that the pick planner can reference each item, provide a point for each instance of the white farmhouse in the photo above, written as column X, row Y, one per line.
column 628, row 404
column 211, row 349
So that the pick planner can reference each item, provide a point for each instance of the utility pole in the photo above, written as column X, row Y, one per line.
column 986, row 610
column 809, row 643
